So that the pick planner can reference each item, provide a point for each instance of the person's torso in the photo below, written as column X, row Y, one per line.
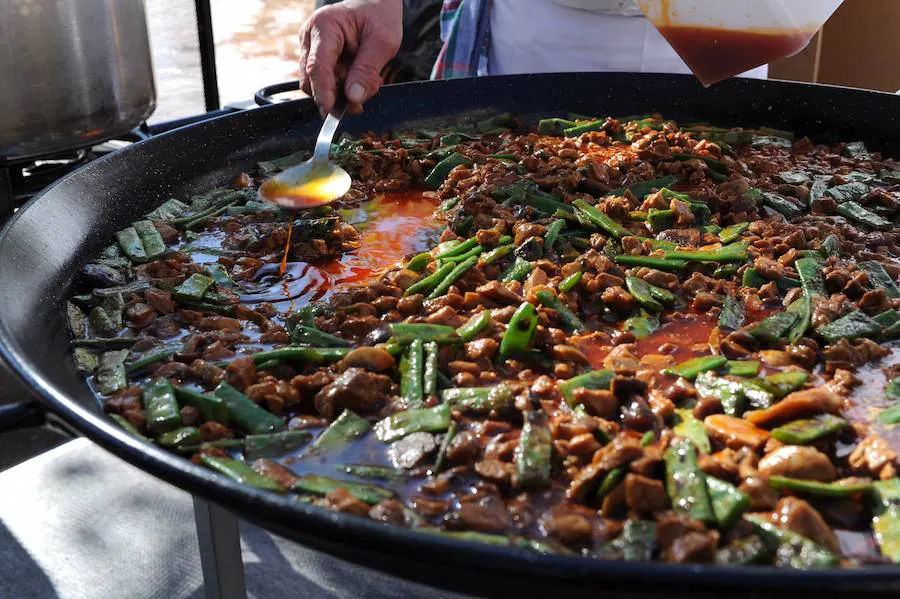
column 545, row 36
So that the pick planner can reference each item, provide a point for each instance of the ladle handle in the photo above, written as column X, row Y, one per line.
column 329, row 127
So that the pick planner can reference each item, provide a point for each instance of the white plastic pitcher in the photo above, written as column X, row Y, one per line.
column 720, row 39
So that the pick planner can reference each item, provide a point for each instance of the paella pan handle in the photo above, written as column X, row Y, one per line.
column 264, row 96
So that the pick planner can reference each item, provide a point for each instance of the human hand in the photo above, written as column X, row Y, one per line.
column 350, row 41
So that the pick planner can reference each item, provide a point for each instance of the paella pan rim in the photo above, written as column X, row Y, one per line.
column 418, row 556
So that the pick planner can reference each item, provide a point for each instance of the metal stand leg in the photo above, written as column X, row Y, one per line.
column 220, row 551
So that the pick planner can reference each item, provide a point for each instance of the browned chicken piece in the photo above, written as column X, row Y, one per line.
column 797, row 515
column 619, row 452
column 874, row 456
column 735, row 432
column 644, row 494
column 798, row 404
column 798, row 462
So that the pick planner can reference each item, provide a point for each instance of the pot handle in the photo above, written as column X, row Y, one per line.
column 264, row 96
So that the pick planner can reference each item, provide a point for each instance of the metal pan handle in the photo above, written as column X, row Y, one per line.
column 264, row 96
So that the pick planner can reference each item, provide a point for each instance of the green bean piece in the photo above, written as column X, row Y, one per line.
column 369, row 471
column 168, row 210
column 312, row 337
column 745, row 368
column 806, row 431
column 440, row 171
column 195, row 287
column 527, row 193
column 519, row 332
column 760, row 141
column 419, row 262
column 636, row 543
column 728, row 502
column 274, row 444
column 552, row 233
column 453, row 275
column 480, row 400
column 638, row 215
column 428, row 283
column 430, row 374
column 666, row 264
column 831, row 246
column 101, row 322
column 890, row 415
column 734, row 252
column 612, row 480
column 641, row 326
column 786, row 382
column 532, row 456
column 848, row 192
column 161, row 406
column 570, row 282
column 802, row 308
column 841, row 488
column 777, row 202
column 644, row 188
column 854, row 325
column 663, row 295
column 861, row 216
column 129, row 428
column 123, row 290
column 442, row 450
column 579, row 129
column 212, row 408
column 412, row 368
column 686, row 483
column 405, row 333
column 792, row 177
column 398, row 425
column 569, row 320
column 180, row 438
column 600, row 219
column 640, row 290
column 76, row 320
column 729, row 393
column 220, row 275
column 774, row 329
column 794, row 551
column 105, row 342
column 554, row 126
column 153, row 356
column 240, row 472
column 111, row 374
column 856, row 150
column 345, row 429
column 246, row 414
column 751, row 550
column 733, row 315
column 596, row 379
column 130, row 243
column 692, row 428
column 886, row 523
column 474, row 326
column 880, row 279
column 475, row 251
column 151, row 240
column 692, row 368
column 810, row 271
column 752, row 278
column 647, row 438
column 86, row 361
column 306, row 355
column 660, row 220
column 498, row 253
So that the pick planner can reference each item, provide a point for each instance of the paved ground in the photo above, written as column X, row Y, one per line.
column 256, row 45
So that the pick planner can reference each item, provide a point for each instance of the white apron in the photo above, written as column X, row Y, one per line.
column 544, row 36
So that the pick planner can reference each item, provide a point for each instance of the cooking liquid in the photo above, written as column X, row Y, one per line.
column 715, row 54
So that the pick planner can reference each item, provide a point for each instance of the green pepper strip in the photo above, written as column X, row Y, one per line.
column 728, row 502
column 532, row 456
column 692, row 428
column 695, row 366
column 474, row 326
column 806, row 431
column 401, row 424
column 240, row 472
column 440, row 171
column 405, row 333
column 153, row 243
column 732, row 316
column 880, row 279
column 308, row 355
column 419, row 262
column 518, row 271
column 212, row 407
column 246, row 414
column 152, row 357
column 430, row 375
column 601, row 220
column 735, row 252
column 428, row 283
column 732, row 233
column 642, row 294
column 810, row 271
column 569, row 283
column 121, row 421
column 412, row 368
column 519, row 332
column 820, row 489
column 451, row 278
column 130, row 244
column 552, row 233
column 861, row 216
column 665, row 264
column 495, row 254
column 313, row 337
column 686, row 482
column 745, row 368
column 180, row 438
column 480, row 400
column 160, row 406
column 773, row 329
column 596, row 379
column 568, row 318
column 795, row 551
column 275, row 444
column 854, row 325
column 886, row 524
column 194, row 287
column 346, row 428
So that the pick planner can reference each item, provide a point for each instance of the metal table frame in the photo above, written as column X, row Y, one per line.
column 220, row 551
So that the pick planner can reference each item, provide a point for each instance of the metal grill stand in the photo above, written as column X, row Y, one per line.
column 220, row 551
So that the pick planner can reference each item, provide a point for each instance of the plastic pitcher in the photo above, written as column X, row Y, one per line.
column 720, row 39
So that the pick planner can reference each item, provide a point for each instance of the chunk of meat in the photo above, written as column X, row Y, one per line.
column 693, row 547
column 798, row 404
column 389, row 511
column 341, row 500
column 355, row 389
column 567, row 525
column 798, row 462
column 497, row 292
column 160, row 300
column 280, row 474
column 874, row 455
column 488, row 515
column 241, row 372
column 495, row 470
column 619, row 452
column 644, row 494
column 850, row 355
column 139, row 315
column 797, row 515
column 735, row 432
column 371, row 358
column 622, row 357
column 762, row 495
column 219, row 323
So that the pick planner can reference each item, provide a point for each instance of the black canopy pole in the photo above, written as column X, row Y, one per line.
column 207, row 54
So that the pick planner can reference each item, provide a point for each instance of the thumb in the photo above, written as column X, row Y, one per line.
column 364, row 76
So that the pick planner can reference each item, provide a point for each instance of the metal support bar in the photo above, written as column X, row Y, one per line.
column 6, row 193
column 220, row 551
column 207, row 54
